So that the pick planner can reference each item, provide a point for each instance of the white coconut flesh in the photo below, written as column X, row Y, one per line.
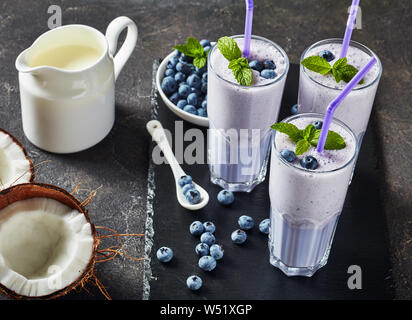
column 15, row 168
column 44, row 246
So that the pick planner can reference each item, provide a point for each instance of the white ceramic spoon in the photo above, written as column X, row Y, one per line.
column 155, row 129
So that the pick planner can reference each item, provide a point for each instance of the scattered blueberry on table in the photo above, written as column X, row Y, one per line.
column 164, row 254
column 264, row 226
column 208, row 238
column 309, row 162
column 288, row 155
column 202, row 249
column 246, row 222
column 225, row 197
column 197, row 228
column 239, row 236
column 207, row 263
column 209, row 227
column 216, row 251
column 194, row 283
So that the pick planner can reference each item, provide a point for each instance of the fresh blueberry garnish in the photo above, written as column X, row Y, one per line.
column 192, row 99
column 209, row 226
column 169, row 85
column 288, row 155
column 208, row 238
column 327, row 55
column 264, row 226
column 181, row 104
column 202, row 249
column 194, row 81
column 207, row 263
column 246, row 222
column 269, row 64
column 216, row 251
column 193, row 196
column 318, row 124
column 190, row 109
column 188, row 187
column 169, row 73
column 204, row 43
column 164, row 254
column 194, row 283
column 225, row 197
column 268, row 74
column 294, row 109
column 171, row 64
column 184, row 180
column 239, row 236
column 309, row 162
column 174, row 98
column 256, row 65
column 180, row 77
column 184, row 90
column 196, row 228
column 202, row 112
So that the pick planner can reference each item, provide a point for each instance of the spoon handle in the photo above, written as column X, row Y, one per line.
column 158, row 134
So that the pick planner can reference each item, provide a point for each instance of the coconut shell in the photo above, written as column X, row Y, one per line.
column 40, row 190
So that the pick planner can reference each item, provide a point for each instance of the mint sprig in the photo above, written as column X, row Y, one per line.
column 309, row 136
column 193, row 49
column 340, row 70
column 238, row 64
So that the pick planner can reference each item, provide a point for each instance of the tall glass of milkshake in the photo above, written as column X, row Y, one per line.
column 316, row 91
column 306, row 204
column 240, row 116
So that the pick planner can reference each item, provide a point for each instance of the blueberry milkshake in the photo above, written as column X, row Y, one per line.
column 307, row 193
column 316, row 91
column 240, row 116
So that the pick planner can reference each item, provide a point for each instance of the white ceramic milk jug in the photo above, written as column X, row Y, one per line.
column 67, row 80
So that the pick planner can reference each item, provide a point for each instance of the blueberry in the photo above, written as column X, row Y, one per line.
column 225, row 197
column 246, row 222
column 177, row 53
column 194, row 283
column 180, row 77
column 203, row 87
column 184, row 180
column 204, row 77
column 183, row 67
column 309, row 162
column 204, row 104
column 171, row 64
column 205, row 43
column 192, row 99
column 216, row 251
column 196, row 228
column 190, row 109
column 164, row 254
column 202, row 249
column 318, row 124
column 169, row 73
column 268, row 74
column 202, row 112
column 206, row 49
column 196, row 90
column 209, row 227
column 269, row 64
column 256, row 65
column 193, row 196
column 184, row 90
column 288, row 155
column 238, row 236
column 181, row 104
column 169, row 85
column 294, row 109
column 188, row 187
column 264, row 226
column 327, row 55
column 185, row 58
column 194, row 81
column 200, row 71
column 207, row 263
column 208, row 238
column 174, row 98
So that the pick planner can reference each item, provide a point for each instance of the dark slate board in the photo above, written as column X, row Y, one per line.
column 245, row 272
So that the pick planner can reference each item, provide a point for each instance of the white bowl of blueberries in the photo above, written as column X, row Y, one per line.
column 183, row 87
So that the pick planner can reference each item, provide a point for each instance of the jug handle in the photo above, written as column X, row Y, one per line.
column 112, row 34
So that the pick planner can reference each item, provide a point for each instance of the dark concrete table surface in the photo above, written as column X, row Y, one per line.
column 119, row 164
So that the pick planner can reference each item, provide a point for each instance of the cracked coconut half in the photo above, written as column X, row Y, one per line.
column 47, row 243
column 15, row 166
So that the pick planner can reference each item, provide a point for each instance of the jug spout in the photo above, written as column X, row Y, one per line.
column 22, row 62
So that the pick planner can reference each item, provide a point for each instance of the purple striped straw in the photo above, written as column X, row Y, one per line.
column 336, row 102
column 248, row 27
column 349, row 27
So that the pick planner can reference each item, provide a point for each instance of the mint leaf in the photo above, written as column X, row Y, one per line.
column 199, row 62
column 193, row 49
column 241, row 71
column 309, row 132
column 333, row 141
column 317, row 64
column 229, row 48
column 349, row 72
column 302, row 146
column 290, row 129
column 183, row 49
column 340, row 63
column 194, row 46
